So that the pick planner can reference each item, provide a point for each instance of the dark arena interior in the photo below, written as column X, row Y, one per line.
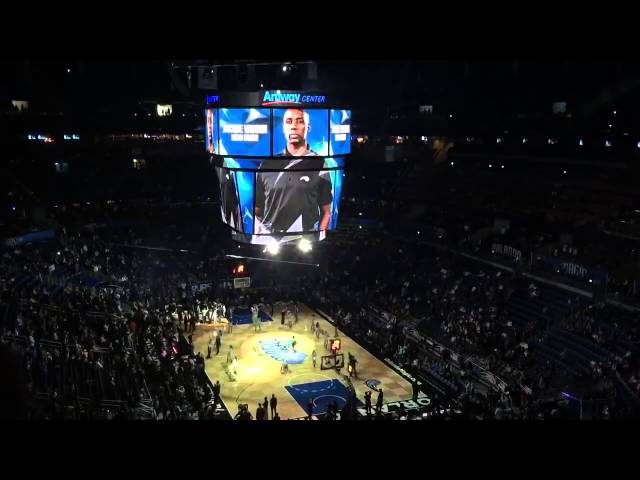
column 276, row 240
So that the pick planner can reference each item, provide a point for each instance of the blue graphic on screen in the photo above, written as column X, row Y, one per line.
column 336, row 184
column 303, row 130
column 245, row 182
column 244, row 131
column 340, row 132
column 243, row 163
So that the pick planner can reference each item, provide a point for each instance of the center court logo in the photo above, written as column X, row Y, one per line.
column 282, row 351
column 372, row 383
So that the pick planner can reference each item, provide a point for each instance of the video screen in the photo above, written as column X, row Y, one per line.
column 279, row 164
column 245, row 131
column 244, row 183
column 211, row 134
column 299, row 132
column 229, row 201
column 337, row 177
column 296, row 200
column 340, row 125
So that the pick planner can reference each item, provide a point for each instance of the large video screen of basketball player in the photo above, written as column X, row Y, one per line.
column 302, row 196
column 299, row 132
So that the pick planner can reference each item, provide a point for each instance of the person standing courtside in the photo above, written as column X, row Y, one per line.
column 273, row 402
column 310, row 409
column 216, row 392
column 379, row 401
column 230, row 354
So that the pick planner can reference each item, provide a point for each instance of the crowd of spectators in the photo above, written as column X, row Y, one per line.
column 97, row 337
column 96, row 315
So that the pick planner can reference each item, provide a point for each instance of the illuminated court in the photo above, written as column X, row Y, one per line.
column 259, row 365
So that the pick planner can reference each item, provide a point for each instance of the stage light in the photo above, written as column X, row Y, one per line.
column 273, row 248
column 304, row 245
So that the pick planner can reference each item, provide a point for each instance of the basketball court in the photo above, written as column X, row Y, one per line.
column 260, row 357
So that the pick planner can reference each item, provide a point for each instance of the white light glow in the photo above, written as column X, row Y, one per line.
column 304, row 245
column 273, row 248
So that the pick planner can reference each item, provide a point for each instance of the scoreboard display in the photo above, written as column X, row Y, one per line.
column 280, row 163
